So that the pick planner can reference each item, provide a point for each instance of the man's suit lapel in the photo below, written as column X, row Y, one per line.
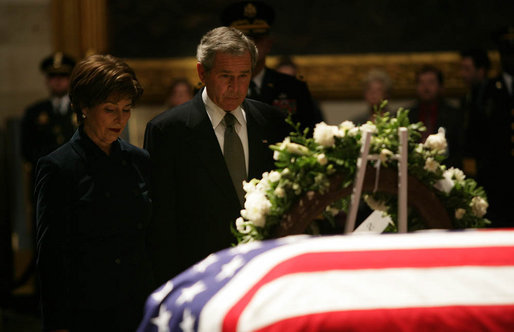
column 257, row 144
column 205, row 144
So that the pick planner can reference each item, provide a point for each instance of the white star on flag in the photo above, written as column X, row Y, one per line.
column 163, row 292
column 230, row 268
column 162, row 320
column 244, row 248
column 189, row 293
column 203, row 265
column 188, row 321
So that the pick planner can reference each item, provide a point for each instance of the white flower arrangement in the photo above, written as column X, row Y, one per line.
column 305, row 165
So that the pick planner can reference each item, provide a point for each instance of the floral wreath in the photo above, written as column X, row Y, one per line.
column 307, row 164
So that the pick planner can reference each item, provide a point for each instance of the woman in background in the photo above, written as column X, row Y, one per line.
column 93, row 208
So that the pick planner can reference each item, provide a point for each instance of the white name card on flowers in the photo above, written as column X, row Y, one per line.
column 376, row 222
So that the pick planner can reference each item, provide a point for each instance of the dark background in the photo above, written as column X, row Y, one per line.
column 173, row 28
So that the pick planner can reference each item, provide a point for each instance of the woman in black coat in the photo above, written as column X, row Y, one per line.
column 93, row 207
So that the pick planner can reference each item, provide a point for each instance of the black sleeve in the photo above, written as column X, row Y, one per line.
column 162, row 233
column 53, row 239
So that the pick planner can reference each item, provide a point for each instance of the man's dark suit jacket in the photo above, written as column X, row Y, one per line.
column 92, row 213
column 195, row 202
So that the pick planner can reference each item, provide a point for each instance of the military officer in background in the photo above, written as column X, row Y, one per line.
column 254, row 19
column 49, row 123
column 46, row 125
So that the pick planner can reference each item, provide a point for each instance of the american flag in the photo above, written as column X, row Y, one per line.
column 426, row 281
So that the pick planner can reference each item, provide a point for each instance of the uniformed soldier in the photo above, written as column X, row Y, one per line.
column 496, row 166
column 49, row 123
column 254, row 19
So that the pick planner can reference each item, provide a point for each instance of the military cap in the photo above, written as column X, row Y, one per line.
column 253, row 18
column 57, row 64
column 504, row 39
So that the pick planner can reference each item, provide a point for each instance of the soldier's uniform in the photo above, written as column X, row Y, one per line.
column 285, row 92
column 49, row 123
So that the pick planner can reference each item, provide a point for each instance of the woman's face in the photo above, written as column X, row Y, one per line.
column 105, row 122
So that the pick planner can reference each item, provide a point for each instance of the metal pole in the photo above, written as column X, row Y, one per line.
column 402, row 180
column 359, row 180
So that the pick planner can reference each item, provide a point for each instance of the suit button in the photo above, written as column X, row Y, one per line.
column 117, row 261
column 139, row 225
column 107, row 194
column 124, row 162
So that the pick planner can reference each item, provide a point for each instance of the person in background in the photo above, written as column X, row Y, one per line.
column 49, row 123
column 179, row 92
column 377, row 88
column 93, row 208
column 495, row 164
column 474, row 68
column 46, row 125
column 435, row 112
column 254, row 19
column 287, row 66
column 203, row 150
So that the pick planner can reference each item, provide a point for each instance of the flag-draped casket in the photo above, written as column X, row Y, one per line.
column 423, row 281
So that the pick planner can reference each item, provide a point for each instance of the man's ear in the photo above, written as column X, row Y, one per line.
column 201, row 72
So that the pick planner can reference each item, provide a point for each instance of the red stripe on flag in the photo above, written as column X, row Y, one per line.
column 374, row 259
column 450, row 318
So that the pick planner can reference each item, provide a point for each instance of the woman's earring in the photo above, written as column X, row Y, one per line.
column 83, row 116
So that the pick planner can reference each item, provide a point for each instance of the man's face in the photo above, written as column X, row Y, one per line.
column 428, row 87
column 468, row 71
column 228, row 80
column 58, row 84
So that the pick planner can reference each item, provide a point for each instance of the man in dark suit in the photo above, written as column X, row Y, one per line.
column 202, row 150
column 254, row 19
column 495, row 162
column 435, row 112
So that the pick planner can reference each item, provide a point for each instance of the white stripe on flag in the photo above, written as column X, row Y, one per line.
column 306, row 293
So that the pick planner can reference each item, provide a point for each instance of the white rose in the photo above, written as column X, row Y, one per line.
column 479, row 206
column 322, row 159
column 459, row 213
column 250, row 186
column 446, row 183
column 385, row 154
column 257, row 206
column 353, row 131
column 242, row 226
column 431, row 165
column 346, row 125
column 368, row 126
column 419, row 148
column 280, row 192
column 276, row 155
column 274, row 176
column 457, row 174
column 324, row 134
column 437, row 142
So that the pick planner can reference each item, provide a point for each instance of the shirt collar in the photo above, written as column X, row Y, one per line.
column 257, row 79
column 216, row 113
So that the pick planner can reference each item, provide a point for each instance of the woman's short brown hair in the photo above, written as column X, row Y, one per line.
column 99, row 77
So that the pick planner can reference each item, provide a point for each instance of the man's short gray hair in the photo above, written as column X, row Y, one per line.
column 224, row 40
